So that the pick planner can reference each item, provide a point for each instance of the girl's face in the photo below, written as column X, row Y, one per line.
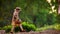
column 18, row 10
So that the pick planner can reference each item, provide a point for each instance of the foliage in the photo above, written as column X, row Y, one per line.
column 26, row 26
column 29, row 27
column 58, row 18
column 42, row 9
column 7, row 28
column 46, row 27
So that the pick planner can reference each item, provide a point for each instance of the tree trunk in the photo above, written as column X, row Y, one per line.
column 58, row 16
column 58, row 6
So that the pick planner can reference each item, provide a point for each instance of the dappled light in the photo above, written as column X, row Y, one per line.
column 49, row 1
column 29, row 15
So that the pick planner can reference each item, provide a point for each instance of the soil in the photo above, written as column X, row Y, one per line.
column 42, row 32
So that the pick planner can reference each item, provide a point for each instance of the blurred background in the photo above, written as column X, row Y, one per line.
column 40, row 13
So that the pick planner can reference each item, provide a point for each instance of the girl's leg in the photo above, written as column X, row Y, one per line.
column 21, row 27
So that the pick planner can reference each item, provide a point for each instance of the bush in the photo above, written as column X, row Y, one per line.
column 55, row 26
column 28, row 26
column 7, row 28
column 0, row 28
column 25, row 25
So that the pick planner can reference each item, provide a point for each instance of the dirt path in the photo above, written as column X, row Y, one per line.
column 42, row 32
